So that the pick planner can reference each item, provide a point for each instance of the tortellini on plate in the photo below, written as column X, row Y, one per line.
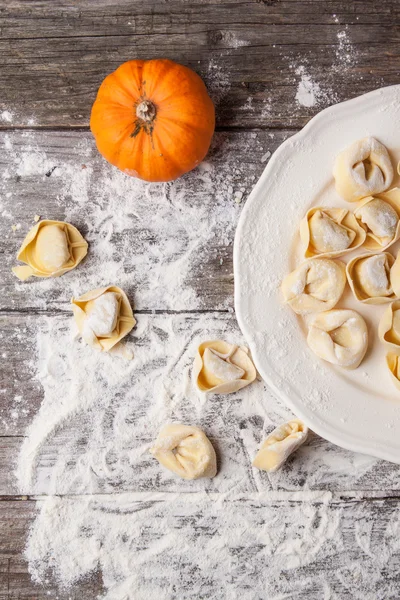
column 370, row 278
column 280, row 444
column 362, row 169
column 222, row 368
column 379, row 216
column 393, row 364
column 103, row 316
column 340, row 337
column 50, row 249
column 330, row 232
column 389, row 326
column 315, row 286
column 186, row 451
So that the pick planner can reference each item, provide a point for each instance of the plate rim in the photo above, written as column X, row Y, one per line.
column 323, row 429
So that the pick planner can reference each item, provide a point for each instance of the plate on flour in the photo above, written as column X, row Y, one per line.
column 360, row 409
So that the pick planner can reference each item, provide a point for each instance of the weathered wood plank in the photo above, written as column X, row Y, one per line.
column 55, row 58
column 345, row 548
column 99, row 422
column 168, row 245
column 16, row 517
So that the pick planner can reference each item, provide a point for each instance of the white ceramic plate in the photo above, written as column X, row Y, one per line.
column 359, row 410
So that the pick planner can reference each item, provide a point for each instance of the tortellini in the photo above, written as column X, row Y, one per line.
column 279, row 445
column 380, row 219
column 222, row 368
column 339, row 337
column 50, row 249
column 103, row 316
column 362, row 169
column 315, row 286
column 389, row 326
column 393, row 364
column 370, row 278
column 186, row 451
column 330, row 232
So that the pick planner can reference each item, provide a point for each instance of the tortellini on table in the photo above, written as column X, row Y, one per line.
column 103, row 316
column 330, row 232
column 362, row 169
column 339, row 336
column 280, row 444
column 315, row 286
column 186, row 451
column 389, row 326
column 50, row 249
column 222, row 368
column 370, row 278
column 379, row 216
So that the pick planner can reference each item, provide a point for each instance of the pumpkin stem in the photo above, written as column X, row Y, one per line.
column 146, row 111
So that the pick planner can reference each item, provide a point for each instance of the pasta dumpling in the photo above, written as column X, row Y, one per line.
column 103, row 316
column 389, row 326
column 395, row 276
column 379, row 217
column 186, row 451
column 330, row 232
column 279, row 445
column 339, row 337
column 50, row 249
column 362, row 169
column 393, row 364
column 222, row 368
column 315, row 286
column 369, row 277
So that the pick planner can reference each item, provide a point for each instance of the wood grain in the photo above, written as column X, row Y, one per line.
column 362, row 521
column 236, row 425
column 251, row 55
column 54, row 58
column 26, row 191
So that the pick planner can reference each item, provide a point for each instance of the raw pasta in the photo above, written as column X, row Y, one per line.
column 393, row 364
column 315, row 286
column 50, row 249
column 369, row 277
column 103, row 316
column 279, row 445
column 330, row 232
column 186, row 451
column 379, row 217
column 339, row 337
column 222, row 368
column 389, row 326
column 362, row 169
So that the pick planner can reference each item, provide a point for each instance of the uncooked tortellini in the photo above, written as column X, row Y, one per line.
column 339, row 337
column 330, row 232
column 186, row 451
column 393, row 364
column 363, row 169
column 389, row 326
column 369, row 277
column 222, row 368
column 50, row 249
column 315, row 286
column 103, row 316
column 278, row 446
column 380, row 219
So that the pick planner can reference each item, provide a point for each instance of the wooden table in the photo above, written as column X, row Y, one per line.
column 253, row 56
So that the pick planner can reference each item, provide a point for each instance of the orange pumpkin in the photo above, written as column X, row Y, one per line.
column 153, row 119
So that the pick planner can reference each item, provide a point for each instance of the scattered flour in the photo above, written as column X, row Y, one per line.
column 150, row 239
column 217, row 80
column 6, row 116
column 312, row 93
